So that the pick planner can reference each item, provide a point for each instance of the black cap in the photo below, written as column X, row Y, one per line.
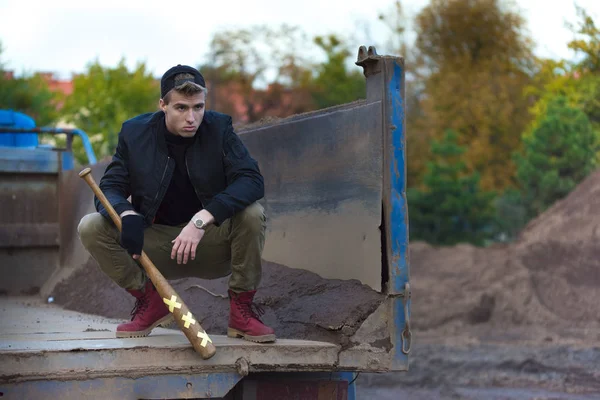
column 168, row 81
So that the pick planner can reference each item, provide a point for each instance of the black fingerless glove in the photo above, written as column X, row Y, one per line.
column 132, row 233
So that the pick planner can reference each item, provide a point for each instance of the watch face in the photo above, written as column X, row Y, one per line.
column 198, row 222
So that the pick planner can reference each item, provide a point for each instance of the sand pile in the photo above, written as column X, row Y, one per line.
column 550, row 277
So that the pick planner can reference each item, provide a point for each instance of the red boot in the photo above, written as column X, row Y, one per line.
column 148, row 313
column 244, row 319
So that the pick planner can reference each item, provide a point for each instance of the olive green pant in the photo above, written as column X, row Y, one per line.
column 235, row 247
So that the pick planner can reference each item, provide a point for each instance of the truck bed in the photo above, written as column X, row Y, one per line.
column 44, row 341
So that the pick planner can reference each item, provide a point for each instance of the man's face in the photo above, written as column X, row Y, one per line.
column 183, row 114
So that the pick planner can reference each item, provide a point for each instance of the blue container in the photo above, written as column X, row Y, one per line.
column 13, row 119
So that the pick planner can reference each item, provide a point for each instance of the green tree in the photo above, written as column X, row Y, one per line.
column 451, row 208
column 559, row 153
column 478, row 60
column 511, row 215
column 103, row 98
column 28, row 94
column 334, row 83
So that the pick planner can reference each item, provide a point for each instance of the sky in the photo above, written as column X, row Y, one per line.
column 63, row 36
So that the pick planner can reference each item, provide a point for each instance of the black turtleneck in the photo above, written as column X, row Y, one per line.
column 180, row 202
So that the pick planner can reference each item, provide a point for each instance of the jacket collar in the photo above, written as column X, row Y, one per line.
column 159, row 117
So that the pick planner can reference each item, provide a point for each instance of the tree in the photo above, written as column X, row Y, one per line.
column 557, row 155
column 478, row 61
column 268, row 69
column 511, row 215
column 103, row 98
column 587, row 42
column 28, row 94
column 333, row 83
column 587, row 45
column 264, row 66
column 451, row 208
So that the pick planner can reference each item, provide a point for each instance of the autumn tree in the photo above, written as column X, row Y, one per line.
column 478, row 60
column 586, row 71
column 261, row 64
column 577, row 81
column 587, row 42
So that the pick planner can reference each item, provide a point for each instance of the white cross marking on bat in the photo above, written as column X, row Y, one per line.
column 205, row 338
column 173, row 304
column 188, row 319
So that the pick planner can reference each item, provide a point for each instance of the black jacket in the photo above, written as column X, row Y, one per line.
column 224, row 175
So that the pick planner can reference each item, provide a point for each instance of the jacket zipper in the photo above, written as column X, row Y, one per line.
column 159, row 185
column 190, row 176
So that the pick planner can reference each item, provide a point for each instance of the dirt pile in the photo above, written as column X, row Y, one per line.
column 298, row 304
column 550, row 277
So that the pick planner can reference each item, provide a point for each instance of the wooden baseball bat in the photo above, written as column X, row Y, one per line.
column 186, row 321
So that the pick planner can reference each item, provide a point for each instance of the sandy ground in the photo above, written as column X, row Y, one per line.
column 455, row 368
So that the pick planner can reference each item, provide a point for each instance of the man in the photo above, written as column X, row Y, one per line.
column 194, row 190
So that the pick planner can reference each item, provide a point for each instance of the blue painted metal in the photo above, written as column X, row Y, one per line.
column 350, row 377
column 397, row 170
column 397, row 223
column 87, row 145
column 201, row 386
column 68, row 160
column 386, row 78
column 13, row 119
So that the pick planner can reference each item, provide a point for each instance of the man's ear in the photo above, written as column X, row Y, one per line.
column 162, row 104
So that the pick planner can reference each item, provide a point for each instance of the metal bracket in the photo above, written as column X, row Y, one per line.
column 369, row 60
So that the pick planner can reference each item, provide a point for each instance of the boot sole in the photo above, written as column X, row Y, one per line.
column 163, row 322
column 234, row 333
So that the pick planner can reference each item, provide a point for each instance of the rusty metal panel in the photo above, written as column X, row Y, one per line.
column 174, row 386
column 29, row 229
column 28, row 198
column 306, row 390
column 323, row 183
column 76, row 201
column 25, row 270
column 29, row 235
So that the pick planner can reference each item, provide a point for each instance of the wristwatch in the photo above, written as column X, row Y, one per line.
column 198, row 223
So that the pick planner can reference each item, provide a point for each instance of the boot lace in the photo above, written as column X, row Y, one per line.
column 141, row 304
column 251, row 310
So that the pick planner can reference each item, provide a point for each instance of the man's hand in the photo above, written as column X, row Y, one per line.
column 132, row 233
column 184, row 245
